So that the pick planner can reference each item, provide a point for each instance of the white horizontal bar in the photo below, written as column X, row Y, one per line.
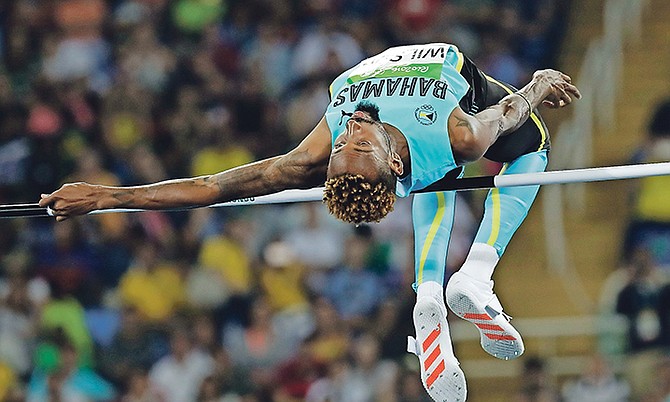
column 584, row 175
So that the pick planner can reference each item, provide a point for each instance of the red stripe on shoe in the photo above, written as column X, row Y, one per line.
column 490, row 327
column 500, row 337
column 431, row 338
column 472, row 316
column 432, row 357
column 433, row 376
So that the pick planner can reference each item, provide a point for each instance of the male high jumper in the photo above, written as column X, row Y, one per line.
column 397, row 122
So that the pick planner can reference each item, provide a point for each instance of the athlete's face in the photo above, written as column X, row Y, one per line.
column 363, row 148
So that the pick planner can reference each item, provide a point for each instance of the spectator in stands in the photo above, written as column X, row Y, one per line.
column 597, row 384
column 152, row 284
column 282, row 280
column 145, row 60
column 63, row 313
column 664, row 314
column 134, row 346
column 80, row 51
column 219, row 152
column 410, row 388
column 325, row 48
column 536, row 384
column 330, row 339
column 650, row 214
column 371, row 378
column 640, row 302
column 179, row 375
column 316, row 241
column 69, row 381
column 295, row 376
column 353, row 289
column 66, row 258
column 21, row 299
column 225, row 253
column 139, row 388
column 660, row 389
column 9, row 384
column 232, row 379
column 330, row 388
column 258, row 347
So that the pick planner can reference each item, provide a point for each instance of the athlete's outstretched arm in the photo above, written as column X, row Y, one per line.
column 303, row 167
column 471, row 136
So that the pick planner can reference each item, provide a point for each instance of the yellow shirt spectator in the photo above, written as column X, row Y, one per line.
column 230, row 260
column 283, row 286
column 653, row 199
column 7, row 380
column 155, row 292
column 212, row 160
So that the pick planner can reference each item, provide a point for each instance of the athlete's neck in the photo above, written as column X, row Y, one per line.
column 401, row 147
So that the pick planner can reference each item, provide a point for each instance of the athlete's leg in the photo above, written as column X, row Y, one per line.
column 433, row 217
column 506, row 208
column 470, row 290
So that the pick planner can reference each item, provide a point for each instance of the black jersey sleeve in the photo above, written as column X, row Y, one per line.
column 475, row 100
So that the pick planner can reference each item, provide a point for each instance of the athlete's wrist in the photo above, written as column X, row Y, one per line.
column 535, row 91
column 530, row 107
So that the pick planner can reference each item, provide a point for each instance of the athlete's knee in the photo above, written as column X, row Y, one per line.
column 517, row 201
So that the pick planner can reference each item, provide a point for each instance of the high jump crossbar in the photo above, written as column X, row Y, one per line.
column 606, row 173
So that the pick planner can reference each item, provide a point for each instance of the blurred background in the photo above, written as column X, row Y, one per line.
column 283, row 303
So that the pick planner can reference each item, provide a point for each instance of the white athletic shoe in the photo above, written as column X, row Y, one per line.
column 440, row 372
column 474, row 301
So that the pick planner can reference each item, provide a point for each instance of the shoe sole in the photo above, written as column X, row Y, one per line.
column 497, row 336
column 447, row 381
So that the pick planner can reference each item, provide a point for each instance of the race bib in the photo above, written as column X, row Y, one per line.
column 405, row 61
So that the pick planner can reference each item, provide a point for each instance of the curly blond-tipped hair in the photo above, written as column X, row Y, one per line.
column 351, row 198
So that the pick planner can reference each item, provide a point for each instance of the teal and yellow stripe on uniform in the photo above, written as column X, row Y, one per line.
column 495, row 212
column 434, row 226
column 460, row 62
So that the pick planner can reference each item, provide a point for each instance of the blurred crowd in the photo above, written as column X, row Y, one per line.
column 274, row 303
column 635, row 298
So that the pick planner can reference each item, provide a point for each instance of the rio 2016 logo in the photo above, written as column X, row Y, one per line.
column 425, row 114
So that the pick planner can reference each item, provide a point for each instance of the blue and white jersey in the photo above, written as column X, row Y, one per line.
column 416, row 88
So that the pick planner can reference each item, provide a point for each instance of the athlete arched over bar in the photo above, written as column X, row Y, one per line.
column 399, row 121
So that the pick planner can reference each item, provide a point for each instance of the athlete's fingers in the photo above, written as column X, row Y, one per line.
column 566, row 77
column 574, row 90
column 45, row 199
column 566, row 99
column 61, row 218
column 564, row 96
column 56, row 211
column 559, row 94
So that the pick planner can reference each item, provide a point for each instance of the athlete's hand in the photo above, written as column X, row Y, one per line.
column 558, row 88
column 71, row 200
